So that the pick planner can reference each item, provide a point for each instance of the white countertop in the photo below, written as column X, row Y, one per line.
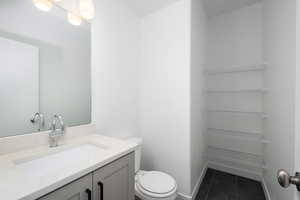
column 29, row 182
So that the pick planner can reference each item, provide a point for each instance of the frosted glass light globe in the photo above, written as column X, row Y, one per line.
column 74, row 19
column 44, row 5
column 87, row 9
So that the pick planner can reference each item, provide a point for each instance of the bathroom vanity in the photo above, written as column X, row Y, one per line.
column 113, row 181
column 85, row 166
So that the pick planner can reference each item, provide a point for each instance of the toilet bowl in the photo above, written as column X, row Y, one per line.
column 152, row 185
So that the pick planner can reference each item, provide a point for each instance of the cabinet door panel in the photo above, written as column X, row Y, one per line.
column 77, row 190
column 115, row 181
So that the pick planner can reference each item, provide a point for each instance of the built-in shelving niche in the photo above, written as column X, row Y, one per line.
column 230, row 155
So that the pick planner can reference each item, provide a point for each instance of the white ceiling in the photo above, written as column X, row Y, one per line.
column 144, row 7
column 212, row 7
column 216, row 7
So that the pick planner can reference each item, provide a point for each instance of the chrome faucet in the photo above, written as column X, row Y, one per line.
column 58, row 129
column 38, row 118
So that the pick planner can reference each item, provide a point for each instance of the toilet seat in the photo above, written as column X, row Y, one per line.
column 156, row 184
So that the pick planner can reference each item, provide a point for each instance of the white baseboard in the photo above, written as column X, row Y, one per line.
column 266, row 190
column 196, row 187
column 182, row 196
column 199, row 181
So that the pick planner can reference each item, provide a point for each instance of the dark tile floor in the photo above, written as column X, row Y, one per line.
column 218, row 185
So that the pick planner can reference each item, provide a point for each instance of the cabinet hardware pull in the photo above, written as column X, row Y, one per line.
column 89, row 193
column 100, row 184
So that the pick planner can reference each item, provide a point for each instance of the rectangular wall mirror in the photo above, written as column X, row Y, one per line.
column 45, row 67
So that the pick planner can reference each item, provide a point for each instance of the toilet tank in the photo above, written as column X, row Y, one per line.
column 137, row 152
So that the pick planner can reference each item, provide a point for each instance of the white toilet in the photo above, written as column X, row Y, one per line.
column 152, row 185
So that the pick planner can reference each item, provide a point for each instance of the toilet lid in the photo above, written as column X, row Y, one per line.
column 156, row 182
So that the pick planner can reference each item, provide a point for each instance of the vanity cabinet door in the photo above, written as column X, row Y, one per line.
column 80, row 189
column 115, row 181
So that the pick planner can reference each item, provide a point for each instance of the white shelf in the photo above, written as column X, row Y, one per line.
column 237, row 131
column 262, row 114
column 235, row 151
column 237, row 69
column 245, row 138
column 216, row 159
column 260, row 90
column 223, row 156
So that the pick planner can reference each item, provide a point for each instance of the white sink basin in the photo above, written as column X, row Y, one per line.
column 60, row 159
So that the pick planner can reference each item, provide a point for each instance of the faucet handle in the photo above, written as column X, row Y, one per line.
column 58, row 129
column 58, row 120
column 62, row 124
column 38, row 118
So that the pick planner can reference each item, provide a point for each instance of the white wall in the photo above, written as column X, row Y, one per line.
column 219, row 7
column 279, row 53
column 146, row 83
column 115, row 58
column 165, row 92
column 197, row 84
column 145, row 7
column 235, row 40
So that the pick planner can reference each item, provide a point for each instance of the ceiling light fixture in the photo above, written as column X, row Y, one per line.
column 74, row 19
column 44, row 5
column 87, row 9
